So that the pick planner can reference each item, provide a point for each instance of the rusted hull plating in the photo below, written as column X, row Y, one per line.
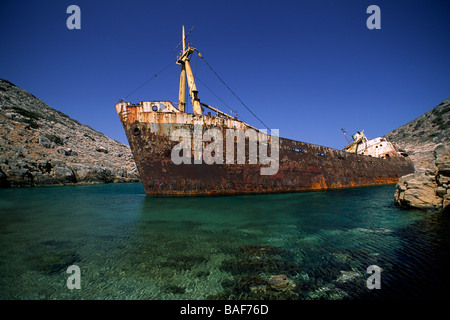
column 302, row 166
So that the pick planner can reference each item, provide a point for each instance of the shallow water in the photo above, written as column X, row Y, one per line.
column 131, row 246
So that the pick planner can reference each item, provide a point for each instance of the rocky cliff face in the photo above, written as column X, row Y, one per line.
column 420, row 137
column 426, row 140
column 42, row 146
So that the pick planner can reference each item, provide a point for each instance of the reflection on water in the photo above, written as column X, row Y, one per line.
column 131, row 246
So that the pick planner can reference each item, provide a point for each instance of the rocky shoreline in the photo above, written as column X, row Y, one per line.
column 40, row 146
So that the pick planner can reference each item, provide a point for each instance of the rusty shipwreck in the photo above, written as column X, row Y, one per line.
column 150, row 128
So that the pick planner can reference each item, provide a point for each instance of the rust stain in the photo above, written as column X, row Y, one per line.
column 302, row 166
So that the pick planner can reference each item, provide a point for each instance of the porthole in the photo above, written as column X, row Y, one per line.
column 136, row 131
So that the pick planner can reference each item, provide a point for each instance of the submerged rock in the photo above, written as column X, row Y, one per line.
column 261, row 272
column 277, row 287
column 328, row 292
column 348, row 276
column 279, row 282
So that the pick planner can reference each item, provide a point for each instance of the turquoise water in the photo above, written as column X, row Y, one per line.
column 131, row 246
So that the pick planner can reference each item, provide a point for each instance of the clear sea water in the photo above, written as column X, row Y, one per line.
column 132, row 246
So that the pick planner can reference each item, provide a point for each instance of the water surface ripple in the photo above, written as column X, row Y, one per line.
column 131, row 246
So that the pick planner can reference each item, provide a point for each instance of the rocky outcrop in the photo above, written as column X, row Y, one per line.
column 42, row 146
column 427, row 189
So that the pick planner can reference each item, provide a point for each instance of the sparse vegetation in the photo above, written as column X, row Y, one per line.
column 32, row 123
column 438, row 120
column 62, row 114
column 55, row 139
column 419, row 136
column 434, row 134
column 418, row 124
column 27, row 113
column 52, row 118
column 445, row 125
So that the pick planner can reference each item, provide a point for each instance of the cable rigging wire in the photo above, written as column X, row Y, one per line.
column 154, row 76
column 231, row 110
column 201, row 56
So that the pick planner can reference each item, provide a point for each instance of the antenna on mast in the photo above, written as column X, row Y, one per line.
column 183, row 41
column 182, row 91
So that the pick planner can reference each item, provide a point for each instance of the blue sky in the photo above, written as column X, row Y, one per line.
column 307, row 68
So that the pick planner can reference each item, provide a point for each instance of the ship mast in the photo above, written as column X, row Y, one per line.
column 182, row 94
column 186, row 71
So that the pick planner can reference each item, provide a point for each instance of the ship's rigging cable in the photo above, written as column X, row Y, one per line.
column 209, row 66
column 231, row 110
column 217, row 75
column 154, row 76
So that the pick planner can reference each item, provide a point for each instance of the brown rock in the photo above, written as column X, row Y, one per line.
column 426, row 188
column 422, row 198
column 446, row 201
column 279, row 282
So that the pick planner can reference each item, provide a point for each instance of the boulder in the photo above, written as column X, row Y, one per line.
column 446, row 201
column 64, row 175
column 45, row 142
column 427, row 189
column 67, row 152
column 441, row 191
column 101, row 149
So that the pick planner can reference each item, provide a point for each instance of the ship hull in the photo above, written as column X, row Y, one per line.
column 302, row 166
